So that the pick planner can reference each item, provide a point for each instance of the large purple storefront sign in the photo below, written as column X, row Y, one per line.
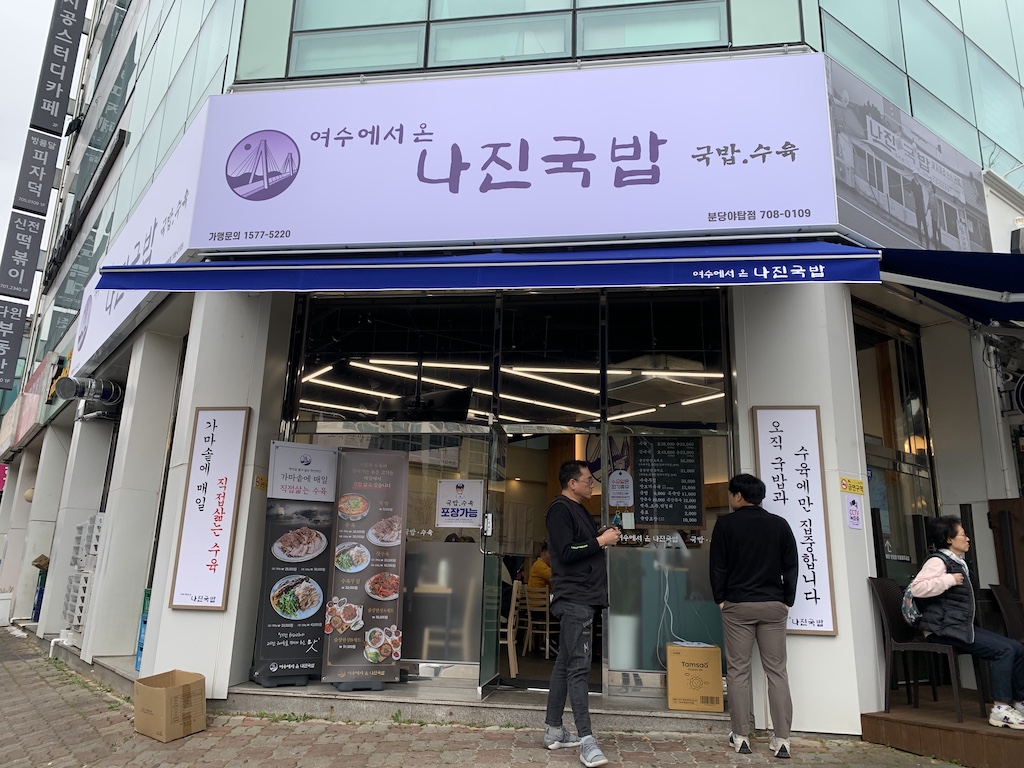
column 714, row 147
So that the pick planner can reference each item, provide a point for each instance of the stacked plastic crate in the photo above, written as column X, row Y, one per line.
column 83, row 560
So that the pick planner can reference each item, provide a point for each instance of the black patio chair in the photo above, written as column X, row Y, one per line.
column 1013, row 616
column 900, row 637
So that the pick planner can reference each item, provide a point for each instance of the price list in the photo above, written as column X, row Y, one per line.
column 668, row 482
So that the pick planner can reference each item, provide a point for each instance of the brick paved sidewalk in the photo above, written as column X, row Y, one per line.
column 50, row 716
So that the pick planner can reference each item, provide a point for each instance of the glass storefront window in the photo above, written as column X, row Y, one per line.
column 896, row 438
column 665, row 358
column 659, row 584
column 550, row 359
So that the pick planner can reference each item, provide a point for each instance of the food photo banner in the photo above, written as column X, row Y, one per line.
column 363, row 622
column 789, row 461
column 300, row 523
column 521, row 157
column 203, row 561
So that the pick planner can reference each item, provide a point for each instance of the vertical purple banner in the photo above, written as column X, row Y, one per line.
column 364, row 612
column 38, row 166
column 12, row 330
column 56, row 75
column 21, row 255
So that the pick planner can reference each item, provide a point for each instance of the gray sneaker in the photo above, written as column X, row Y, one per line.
column 558, row 736
column 591, row 754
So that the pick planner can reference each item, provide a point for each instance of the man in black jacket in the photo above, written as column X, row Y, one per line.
column 579, row 587
column 754, row 567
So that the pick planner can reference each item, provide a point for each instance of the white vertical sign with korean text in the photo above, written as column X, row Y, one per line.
column 789, row 461
column 203, row 560
column 459, row 503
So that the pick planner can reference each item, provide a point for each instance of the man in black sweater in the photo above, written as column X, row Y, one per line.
column 579, row 587
column 754, row 567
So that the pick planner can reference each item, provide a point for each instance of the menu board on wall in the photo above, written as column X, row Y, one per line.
column 296, row 564
column 363, row 623
column 668, row 482
column 789, row 461
column 203, row 559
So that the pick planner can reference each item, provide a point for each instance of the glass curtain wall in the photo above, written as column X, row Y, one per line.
column 956, row 65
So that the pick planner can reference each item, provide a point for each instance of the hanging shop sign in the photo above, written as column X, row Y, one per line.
column 56, row 75
column 789, row 461
column 297, row 561
column 363, row 622
column 203, row 561
column 459, row 503
column 13, row 317
column 467, row 163
column 20, row 255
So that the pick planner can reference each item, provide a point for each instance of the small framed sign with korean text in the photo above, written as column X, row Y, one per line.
column 203, row 561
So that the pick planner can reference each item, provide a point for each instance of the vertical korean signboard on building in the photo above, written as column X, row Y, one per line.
column 203, row 561
column 364, row 612
column 13, row 317
column 296, row 563
column 56, row 75
column 788, row 443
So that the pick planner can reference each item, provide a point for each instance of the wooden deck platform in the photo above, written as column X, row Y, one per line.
column 932, row 731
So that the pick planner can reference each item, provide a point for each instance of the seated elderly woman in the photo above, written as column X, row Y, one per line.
column 942, row 590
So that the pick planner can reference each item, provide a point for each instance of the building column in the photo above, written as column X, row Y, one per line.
column 42, row 514
column 80, row 497
column 116, row 589
column 237, row 356
column 794, row 345
column 17, row 527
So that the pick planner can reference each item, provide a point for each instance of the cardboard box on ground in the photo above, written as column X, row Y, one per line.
column 695, row 678
column 170, row 705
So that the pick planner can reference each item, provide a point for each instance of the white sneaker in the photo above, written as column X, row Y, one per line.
column 739, row 743
column 1019, row 706
column 1003, row 716
column 779, row 747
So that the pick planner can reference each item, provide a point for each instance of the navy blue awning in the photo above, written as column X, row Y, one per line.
column 685, row 265
column 986, row 287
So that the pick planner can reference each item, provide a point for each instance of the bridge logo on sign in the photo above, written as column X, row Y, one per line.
column 262, row 165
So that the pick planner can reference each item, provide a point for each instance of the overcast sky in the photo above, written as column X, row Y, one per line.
column 26, row 23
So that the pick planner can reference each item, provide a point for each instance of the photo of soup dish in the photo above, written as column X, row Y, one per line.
column 353, row 506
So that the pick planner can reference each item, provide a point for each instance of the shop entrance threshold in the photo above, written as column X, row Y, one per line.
column 506, row 706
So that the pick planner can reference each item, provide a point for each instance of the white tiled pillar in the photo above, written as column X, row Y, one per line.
column 129, row 526
column 80, row 497
column 236, row 356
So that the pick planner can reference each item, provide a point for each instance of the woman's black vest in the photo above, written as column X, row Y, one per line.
column 950, row 614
